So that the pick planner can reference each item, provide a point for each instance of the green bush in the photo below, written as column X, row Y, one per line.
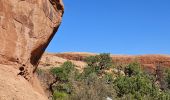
column 62, row 72
column 135, row 83
column 98, row 63
column 92, row 61
column 60, row 96
column 105, row 61
column 88, row 70
column 167, row 77
column 93, row 88
column 164, row 95
column 63, row 76
column 133, row 69
column 95, row 83
column 108, row 78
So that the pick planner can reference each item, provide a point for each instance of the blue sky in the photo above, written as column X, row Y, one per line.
column 114, row 26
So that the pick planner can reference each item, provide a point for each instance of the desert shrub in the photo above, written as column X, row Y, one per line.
column 63, row 87
column 135, row 84
column 92, row 61
column 97, row 83
column 93, row 88
column 87, row 71
column 94, row 83
column 133, row 69
column 167, row 78
column 164, row 95
column 108, row 78
column 163, row 77
column 105, row 61
column 98, row 63
column 62, row 72
column 39, row 71
column 63, row 80
column 60, row 96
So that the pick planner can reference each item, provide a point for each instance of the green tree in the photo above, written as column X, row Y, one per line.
column 135, row 84
column 105, row 61
column 98, row 63
column 62, row 72
column 92, row 61
column 62, row 83
column 133, row 69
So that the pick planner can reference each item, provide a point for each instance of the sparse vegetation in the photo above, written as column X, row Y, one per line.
column 102, row 61
column 97, row 64
column 167, row 78
column 98, row 81
column 135, row 84
column 60, row 96
column 39, row 71
column 62, row 75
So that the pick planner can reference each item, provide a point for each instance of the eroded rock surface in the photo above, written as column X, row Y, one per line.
column 26, row 28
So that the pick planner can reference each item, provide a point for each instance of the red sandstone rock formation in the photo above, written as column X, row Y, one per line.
column 26, row 28
column 147, row 61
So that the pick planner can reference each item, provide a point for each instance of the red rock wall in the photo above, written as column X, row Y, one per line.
column 26, row 28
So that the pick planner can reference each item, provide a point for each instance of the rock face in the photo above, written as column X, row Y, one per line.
column 26, row 28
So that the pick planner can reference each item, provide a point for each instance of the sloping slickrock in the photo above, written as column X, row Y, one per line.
column 26, row 28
